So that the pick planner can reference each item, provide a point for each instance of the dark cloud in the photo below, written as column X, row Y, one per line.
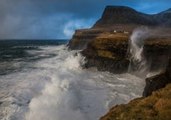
column 50, row 19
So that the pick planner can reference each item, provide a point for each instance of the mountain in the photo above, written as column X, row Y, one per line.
column 120, row 18
column 114, row 15
column 164, row 18
column 106, row 46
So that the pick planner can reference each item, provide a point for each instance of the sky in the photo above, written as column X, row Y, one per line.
column 58, row 19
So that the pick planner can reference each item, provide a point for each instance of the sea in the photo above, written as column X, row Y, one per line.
column 43, row 80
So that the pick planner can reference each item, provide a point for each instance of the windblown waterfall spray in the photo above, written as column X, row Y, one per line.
column 138, row 63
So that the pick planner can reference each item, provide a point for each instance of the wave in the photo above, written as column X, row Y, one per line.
column 57, row 88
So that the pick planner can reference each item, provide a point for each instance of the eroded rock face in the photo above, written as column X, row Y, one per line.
column 108, row 52
column 158, row 81
column 155, row 107
column 105, row 46
column 119, row 18
column 157, row 52
column 154, row 83
column 82, row 37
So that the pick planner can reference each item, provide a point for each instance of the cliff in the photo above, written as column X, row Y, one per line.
column 113, row 15
column 119, row 18
column 82, row 37
column 106, row 47
column 156, row 106
column 108, row 52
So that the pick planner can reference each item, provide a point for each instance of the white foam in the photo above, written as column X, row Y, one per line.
column 59, row 89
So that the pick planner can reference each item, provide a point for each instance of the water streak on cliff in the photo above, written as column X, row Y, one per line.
column 138, row 63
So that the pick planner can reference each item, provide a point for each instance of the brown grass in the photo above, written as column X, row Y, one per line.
column 155, row 107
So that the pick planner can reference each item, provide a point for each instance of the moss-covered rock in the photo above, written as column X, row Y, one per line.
column 155, row 107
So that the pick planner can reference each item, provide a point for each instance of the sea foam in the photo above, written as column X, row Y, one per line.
column 57, row 88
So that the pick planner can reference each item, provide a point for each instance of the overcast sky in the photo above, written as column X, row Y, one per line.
column 53, row 19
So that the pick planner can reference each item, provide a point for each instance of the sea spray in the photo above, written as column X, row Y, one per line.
column 55, row 87
column 138, row 63
column 78, row 94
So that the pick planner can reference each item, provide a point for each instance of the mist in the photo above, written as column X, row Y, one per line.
column 139, row 64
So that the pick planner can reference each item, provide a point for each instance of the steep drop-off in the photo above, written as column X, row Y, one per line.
column 119, row 19
column 108, row 52
column 156, row 106
column 106, row 46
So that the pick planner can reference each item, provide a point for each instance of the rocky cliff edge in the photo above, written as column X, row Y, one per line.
column 106, row 47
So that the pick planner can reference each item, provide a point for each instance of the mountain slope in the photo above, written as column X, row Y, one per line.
column 113, row 15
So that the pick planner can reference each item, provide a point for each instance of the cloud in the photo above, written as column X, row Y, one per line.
column 51, row 19
column 43, row 19
column 70, row 27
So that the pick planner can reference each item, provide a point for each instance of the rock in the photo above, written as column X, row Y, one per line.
column 155, row 107
column 157, row 51
column 82, row 37
column 108, row 52
column 105, row 47
column 154, row 83
column 120, row 19
column 157, row 82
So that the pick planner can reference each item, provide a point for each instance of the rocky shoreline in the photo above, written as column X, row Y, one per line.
column 106, row 47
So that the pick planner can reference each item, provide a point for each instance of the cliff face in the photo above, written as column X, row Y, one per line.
column 157, row 51
column 106, row 46
column 158, row 81
column 82, row 37
column 157, row 106
column 108, row 53
column 106, row 43
column 119, row 18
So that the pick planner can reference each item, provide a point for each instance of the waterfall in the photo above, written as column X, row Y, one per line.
column 138, row 63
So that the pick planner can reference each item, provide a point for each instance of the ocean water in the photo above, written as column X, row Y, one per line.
column 42, row 80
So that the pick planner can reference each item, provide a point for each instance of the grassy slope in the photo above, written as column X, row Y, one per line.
column 155, row 107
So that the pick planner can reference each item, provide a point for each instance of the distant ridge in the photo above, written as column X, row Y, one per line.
column 125, row 15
